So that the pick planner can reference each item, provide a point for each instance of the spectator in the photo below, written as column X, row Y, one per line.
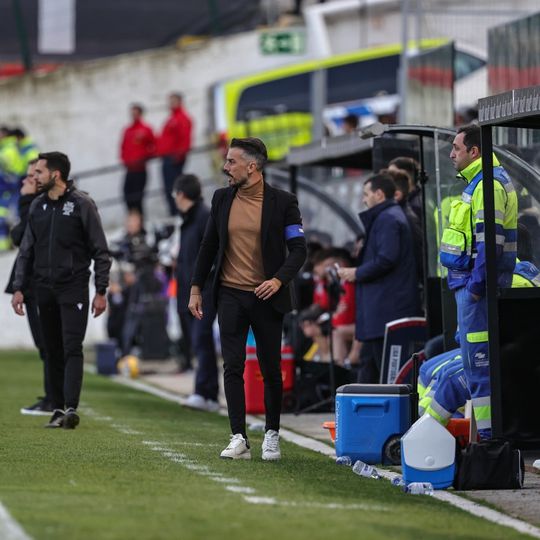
column 386, row 276
column 350, row 124
column 411, row 168
column 401, row 180
column 137, row 147
column 197, row 333
column 173, row 146
column 311, row 322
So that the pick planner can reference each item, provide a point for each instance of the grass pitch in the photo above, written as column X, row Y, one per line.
column 140, row 467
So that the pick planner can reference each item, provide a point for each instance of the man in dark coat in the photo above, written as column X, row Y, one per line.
column 197, row 334
column 386, row 276
column 256, row 239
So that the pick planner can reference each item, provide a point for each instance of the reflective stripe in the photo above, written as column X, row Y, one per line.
column 480, row 215
column 465, row 197
column 451, row 249
column 483, row 424
column 510, row 246
column 499, row 238
column 508, row 186
column 481, row 402
column 438, row 413
column 420, row 388
column 477, row 337
column 535, row 281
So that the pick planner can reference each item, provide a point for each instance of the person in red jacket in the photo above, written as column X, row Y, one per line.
column 138, row 145
column 174, row 144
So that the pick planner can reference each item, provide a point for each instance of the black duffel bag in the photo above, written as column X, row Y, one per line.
column 490, row 464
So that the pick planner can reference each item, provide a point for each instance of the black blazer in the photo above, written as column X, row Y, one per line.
column 281, row 231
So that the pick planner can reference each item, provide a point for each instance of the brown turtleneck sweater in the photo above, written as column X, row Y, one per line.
column 242, row 263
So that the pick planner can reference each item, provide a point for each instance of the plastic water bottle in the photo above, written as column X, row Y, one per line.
column 363, row 469
column 420, row 488
column 398, row 482
column 344, row 460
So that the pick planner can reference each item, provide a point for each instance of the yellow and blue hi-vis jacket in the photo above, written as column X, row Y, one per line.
column 463, row 241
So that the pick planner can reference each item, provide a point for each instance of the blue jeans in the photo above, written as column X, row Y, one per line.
column 472, row 321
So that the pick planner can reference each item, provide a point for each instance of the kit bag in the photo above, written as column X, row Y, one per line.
column 490, row 464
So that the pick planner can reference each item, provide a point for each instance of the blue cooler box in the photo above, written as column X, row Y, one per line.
column 370, row 419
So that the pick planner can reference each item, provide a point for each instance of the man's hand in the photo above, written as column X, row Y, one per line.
column 99, row 304
column 268, row 288
column 195, row 305
column 348, row 274
column 17, row 302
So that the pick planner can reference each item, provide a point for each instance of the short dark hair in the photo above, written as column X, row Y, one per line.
column 18, row 132
column 254, row 148
column 57, row 161
column 471, row 136
column 401, row 180
column 311, row 313
column 189, row 185
column 352, row 120
column 407, row 164
column 138, row 106
column 384, row 182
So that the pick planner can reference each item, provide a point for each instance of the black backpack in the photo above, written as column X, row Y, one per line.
column 490, row 464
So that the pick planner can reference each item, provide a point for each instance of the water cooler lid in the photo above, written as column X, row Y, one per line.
column 370, row 389
column 427, row 445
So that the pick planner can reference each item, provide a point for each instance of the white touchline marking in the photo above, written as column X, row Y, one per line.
column 224, row 480
column 474, row 508
column 260, row 500
column 240, row 489
column 9, row 528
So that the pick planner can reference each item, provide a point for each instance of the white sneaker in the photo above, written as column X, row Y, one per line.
column 270, row 446
column 238, row 448
column 195, row 401
column 212, row 406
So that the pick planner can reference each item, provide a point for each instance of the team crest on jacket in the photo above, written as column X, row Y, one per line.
column 68, row 208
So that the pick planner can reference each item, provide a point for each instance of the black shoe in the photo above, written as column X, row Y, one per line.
column 56, row 420
column 41, row 408
column 71, row 419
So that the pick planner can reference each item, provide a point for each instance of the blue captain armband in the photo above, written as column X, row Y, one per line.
column 293, row 231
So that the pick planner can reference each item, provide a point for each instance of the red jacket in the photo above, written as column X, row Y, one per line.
column 138, row 145
column 175, row 139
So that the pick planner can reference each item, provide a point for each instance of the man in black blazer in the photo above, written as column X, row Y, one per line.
column 255, row 239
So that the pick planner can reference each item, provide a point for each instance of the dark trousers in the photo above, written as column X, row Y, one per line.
column 369, row 371
column 32, row 314
column 171, row 170
column 237, row 311
column 134, row 184
column 63, row 317
column 199, row 340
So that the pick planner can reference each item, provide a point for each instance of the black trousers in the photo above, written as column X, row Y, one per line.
column 134, row 184
column 237, row 311
column 369, row 371
column 171, row 170
column 63, row 317
column 32, row 314
column 199, row 340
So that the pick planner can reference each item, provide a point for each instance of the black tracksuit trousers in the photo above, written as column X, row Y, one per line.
column 63, row 318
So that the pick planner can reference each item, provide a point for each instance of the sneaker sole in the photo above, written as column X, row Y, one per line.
column 70, row 421
column 245, row 455
column 28, row 412
column 271, row 458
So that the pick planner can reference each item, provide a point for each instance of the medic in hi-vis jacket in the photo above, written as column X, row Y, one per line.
column 463, row 253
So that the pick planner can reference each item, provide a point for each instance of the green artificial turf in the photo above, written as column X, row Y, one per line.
column 115, row 477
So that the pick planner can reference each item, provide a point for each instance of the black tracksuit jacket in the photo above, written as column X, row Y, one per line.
column 60, row 241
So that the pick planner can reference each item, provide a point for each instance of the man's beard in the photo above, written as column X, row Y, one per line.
column 47, row 186
column 237, row 183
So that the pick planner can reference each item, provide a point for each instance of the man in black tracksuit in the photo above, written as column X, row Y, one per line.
column 29, row 192
column 63, row 235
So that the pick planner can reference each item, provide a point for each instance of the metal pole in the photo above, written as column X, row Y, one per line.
column 23, row 36
column 318, row 102
column 491, row 280
column 404, row 62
